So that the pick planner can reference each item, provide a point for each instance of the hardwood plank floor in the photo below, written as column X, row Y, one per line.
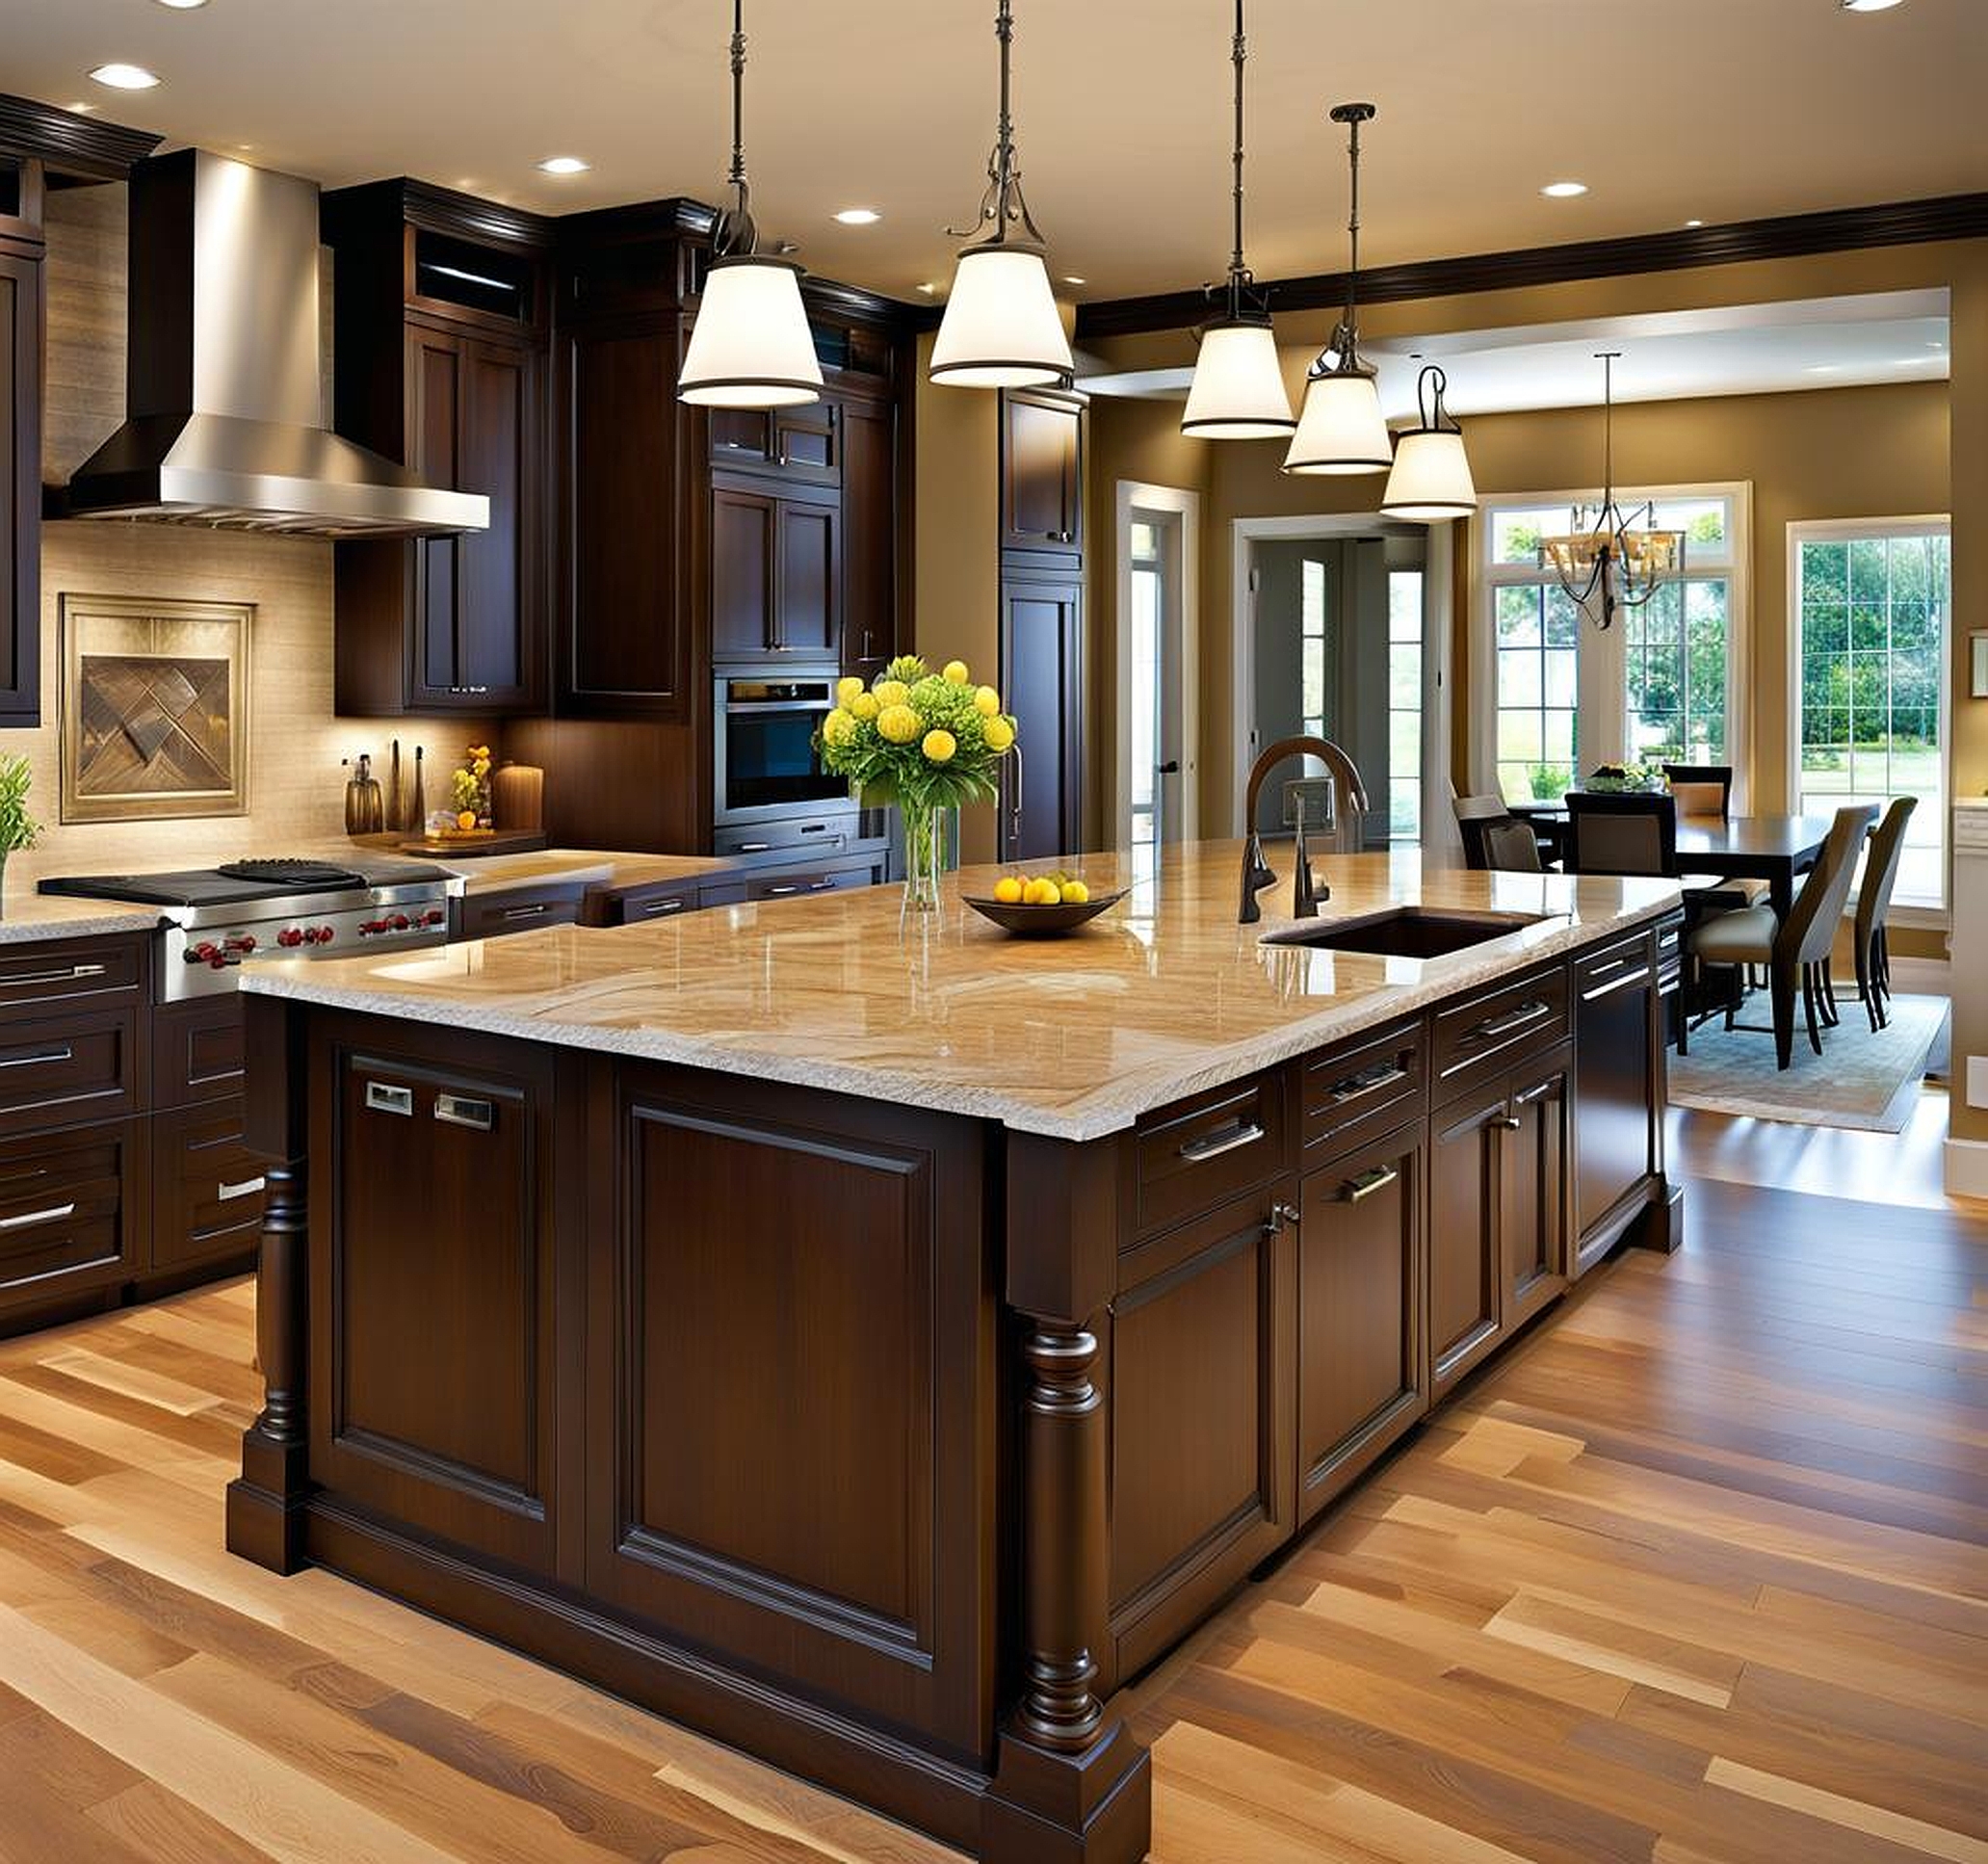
column 1698, row 1574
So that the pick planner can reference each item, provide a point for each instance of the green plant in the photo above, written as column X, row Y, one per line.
column 919, row 739
column 18, row 830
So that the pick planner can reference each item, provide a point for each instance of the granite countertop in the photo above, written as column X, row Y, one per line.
column 1075, row 1038
column 488, row 874
column 26, row 917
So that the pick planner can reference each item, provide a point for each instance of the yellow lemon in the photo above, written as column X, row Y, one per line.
column 864, row 705
column 893, row 692
column 846, row 690
column 939, row 746
column 1076, row 893
column 955, row 671
column 466, row 821
column 987, row 703
column 1007, row 890
column 999, row 735
column 899, row 723
column 1043, row 893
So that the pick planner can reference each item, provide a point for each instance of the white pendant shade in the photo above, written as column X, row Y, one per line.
column 1431, row 481
column 751, row 346
column 1002, row 329
column 1341, row 429
column 1238, row 391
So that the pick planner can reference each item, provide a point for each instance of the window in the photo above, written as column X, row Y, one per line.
column 1872, row 605
column 1315, row 648
column 1148, row 596
column 1559, row 697
column 1404, row 705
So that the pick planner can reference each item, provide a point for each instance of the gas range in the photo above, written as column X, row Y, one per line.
column 214, row 920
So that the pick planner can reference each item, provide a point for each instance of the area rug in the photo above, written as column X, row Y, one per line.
column 1865, row 1081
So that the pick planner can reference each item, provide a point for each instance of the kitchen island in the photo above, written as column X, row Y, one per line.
column 875, row 1342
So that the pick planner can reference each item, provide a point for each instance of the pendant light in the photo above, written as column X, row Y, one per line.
column 1342, row 428
column 1002, row 329
column 1431, row 480
column 751, row 346
column 1237, row 391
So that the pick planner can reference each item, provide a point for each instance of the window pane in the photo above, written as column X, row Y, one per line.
column 1515, row 533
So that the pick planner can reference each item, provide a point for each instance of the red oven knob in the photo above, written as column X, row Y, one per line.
column 289, row 939
column 326, row 934
column 244, row 943
column 433, row 916
column 400, row 922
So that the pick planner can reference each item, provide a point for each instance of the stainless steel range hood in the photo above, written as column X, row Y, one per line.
column 224, row 401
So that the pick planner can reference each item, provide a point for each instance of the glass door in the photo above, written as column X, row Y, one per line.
column 1155, row 718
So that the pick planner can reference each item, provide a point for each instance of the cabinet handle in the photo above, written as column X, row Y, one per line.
column 755, row 847
column 823, row 886
column 1628, row 981
column 780, row 892
column 469, row 691
column 459, row 1109
column 1354, row 1190
column 659, row 909
column 53, row 1214
column 1545, row 1090
column 67, row 976
column 1529, row 1012
column 1280, row 1215
column 245, row 1188
column 1356, row 1087
column 511, row 914
column 58, row 1051
column 1214, row 1144
column 383, row 1100
column 1511, row 1122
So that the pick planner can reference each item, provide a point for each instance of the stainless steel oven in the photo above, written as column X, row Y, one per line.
column 767, row 769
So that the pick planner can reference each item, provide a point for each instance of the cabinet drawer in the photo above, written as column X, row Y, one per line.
column 1621, row 967
column 87, row 973
column 1200, row 1152
column 71, row 1211
column 1364, row 1087
column 79, row 1066
column 521, row 910
column 790, row 885
column 641, row 905
column 1480, row 1038
column 197, row 1051
column 207, row 1189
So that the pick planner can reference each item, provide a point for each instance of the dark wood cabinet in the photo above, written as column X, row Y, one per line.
column 207, row 1189
column 802, row 445
column 869, row 534
column 1361, row 1376
column 1042, row 472
column 517, row 910
column 73, row 1214
column 1620, row 1061
column 1533, row 1202
column 1465, row 1271
column 1043, row 682
column 775, row 577
column 22, row 290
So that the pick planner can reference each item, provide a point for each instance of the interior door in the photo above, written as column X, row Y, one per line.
column 1041, row 635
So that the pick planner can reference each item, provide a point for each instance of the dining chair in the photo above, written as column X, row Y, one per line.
column 1635, row 832
column 1704, row 792
column 1510, row 847
column 1872, row 954
column 1796, row 950
column 1474, row 815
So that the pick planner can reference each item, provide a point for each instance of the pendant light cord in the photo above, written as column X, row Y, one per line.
column 1003, row 134
column 1353, row 284
column 1240, row 54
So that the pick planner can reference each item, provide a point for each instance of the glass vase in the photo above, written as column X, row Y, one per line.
column 925, row 853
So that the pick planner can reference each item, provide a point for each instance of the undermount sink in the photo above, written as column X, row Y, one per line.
column 1405, row 932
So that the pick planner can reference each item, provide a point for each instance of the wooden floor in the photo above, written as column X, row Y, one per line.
column 1699, row 1575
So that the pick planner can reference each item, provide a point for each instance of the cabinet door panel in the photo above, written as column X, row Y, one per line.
column 20, row 489
column 1464, row 1269
column 434, row 429
column 744, row 574
column 1532, row 1195
column 72, row 1212
column 1360, row 1383
column 869, row 539
column 808, row 616
column 498, row 606
column 1041, row 680
column 1618, row 1135
column 207, row 1187
column 1042, row 474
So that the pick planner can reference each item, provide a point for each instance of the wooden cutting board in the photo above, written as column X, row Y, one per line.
column 464, row 848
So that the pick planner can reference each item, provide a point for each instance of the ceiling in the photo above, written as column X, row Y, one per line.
column 1669, row 110
column 1664, row 355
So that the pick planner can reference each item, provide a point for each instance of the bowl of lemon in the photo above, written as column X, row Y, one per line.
column 1042, row 905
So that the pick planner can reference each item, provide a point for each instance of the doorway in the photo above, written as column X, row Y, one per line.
column 1157, row 793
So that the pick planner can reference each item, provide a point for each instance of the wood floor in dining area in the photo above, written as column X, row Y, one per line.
column 1698, row 1575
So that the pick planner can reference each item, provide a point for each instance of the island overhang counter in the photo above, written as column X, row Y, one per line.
column 873, row 1341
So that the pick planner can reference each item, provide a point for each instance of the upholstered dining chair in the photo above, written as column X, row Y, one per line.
column 1632, row 833
column 1474, row 815
column 1872, row 954
column 1703, row 791
column 1510, row 847
column 1796, row 950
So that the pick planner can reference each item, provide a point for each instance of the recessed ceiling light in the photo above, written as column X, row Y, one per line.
column 1693, row 223
column 1071, row 279
column 931, row 291
column 182, row 6
column 859, row 217
column 564, row 164
column 1563, row 190
column 1871, row 6
column 80, row 107
column 124, row 77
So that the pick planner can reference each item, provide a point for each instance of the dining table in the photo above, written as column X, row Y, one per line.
column 1776, row 849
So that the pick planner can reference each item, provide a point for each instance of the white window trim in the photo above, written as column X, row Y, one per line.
column 1174, row 501
column 1607, row 673
column 1921, row 524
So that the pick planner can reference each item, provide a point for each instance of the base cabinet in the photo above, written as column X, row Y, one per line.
column 207, row 1187
column 73, row 1212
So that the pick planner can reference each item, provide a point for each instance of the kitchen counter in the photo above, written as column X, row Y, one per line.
column 1071, row 1038
column 494, row 874
column 28, row 917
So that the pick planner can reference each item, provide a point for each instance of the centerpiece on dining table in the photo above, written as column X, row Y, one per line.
column 925, row 744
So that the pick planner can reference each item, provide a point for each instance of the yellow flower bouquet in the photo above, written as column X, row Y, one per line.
column 925, row 741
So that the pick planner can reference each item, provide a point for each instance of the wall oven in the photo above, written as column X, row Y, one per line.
column 767, row 769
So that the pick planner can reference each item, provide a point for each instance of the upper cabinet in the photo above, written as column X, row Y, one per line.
column 440, row 359
column 876, row 531
column 22, row 295
column 1042, row 472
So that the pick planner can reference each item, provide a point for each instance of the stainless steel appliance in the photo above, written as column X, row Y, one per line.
column 767, row 769
column 215, row 920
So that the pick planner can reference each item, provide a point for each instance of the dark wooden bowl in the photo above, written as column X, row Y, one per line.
column 1042, row 922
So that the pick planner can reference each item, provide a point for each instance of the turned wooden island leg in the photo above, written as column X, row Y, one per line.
column 265, row 1503
column 1071, row 1784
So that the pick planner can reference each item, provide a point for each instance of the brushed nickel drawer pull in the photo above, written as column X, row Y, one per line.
column 1355, row 1190
column 780, row 892
column 1511, row 1122
column 1214, row 1144
column 1545, row 1090
column 1280, row 1215
column 60, row 1052
column 1628, row 981
column 70, row 976
column 524, row 913
column 459, row 1109
column 53, row 1214
column 245, row 1188
column 383, row 1100
column 1355, row 1086
column 1529, row 1012
column 657, row 908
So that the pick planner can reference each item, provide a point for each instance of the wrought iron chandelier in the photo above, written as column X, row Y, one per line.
column 1237, row 391
column 1002, row 329
column 1612, row 559
column 751, row 346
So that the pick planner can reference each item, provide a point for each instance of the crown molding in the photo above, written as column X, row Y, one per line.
column 85, row 148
